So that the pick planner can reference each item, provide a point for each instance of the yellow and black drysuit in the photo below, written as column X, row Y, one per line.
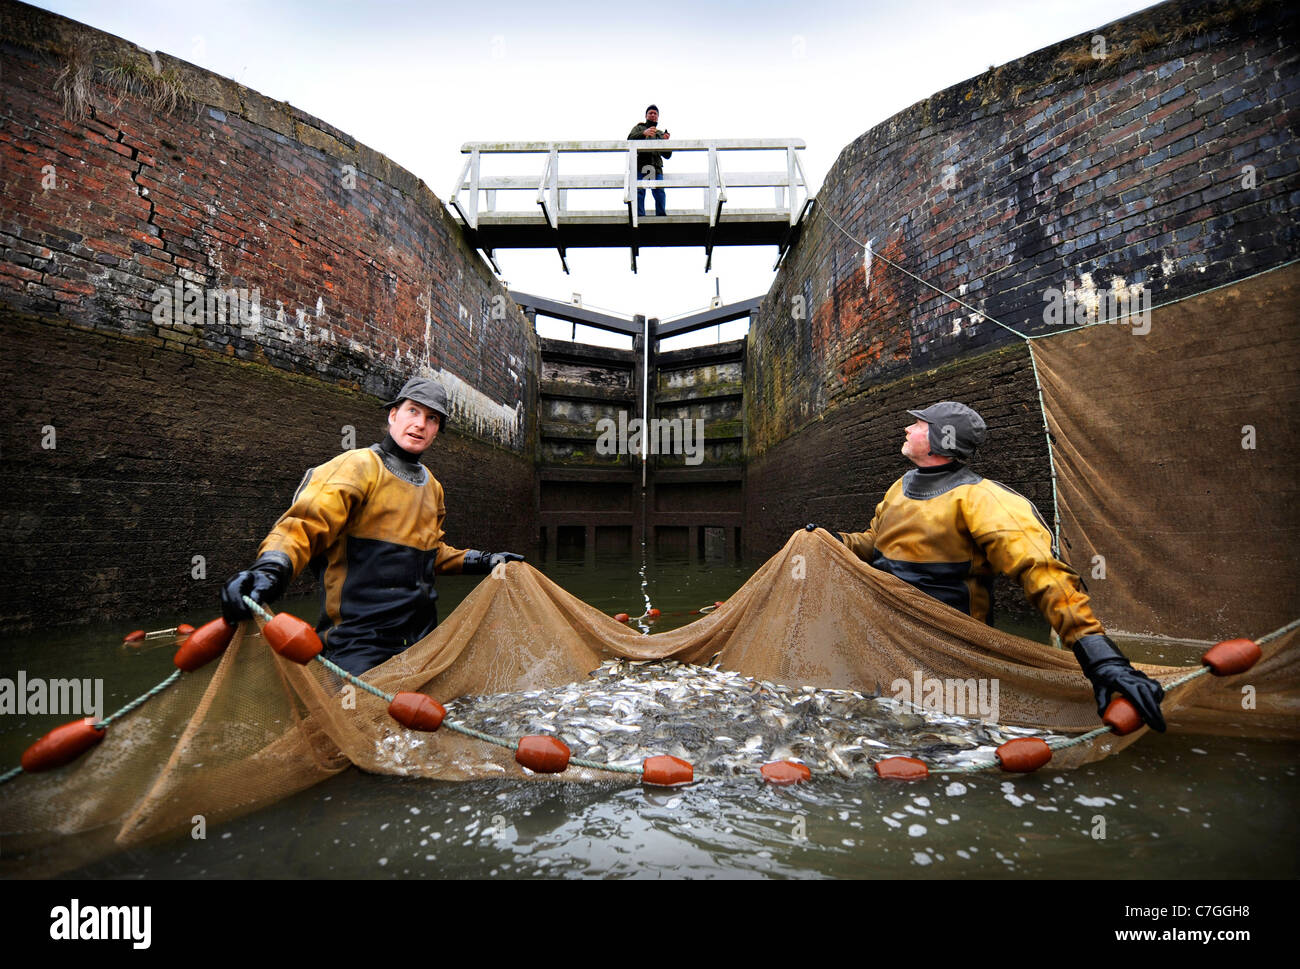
column 369, row 523
column 948, row 530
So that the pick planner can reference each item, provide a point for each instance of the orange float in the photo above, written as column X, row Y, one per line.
column 902, row 769
column 417, row 711
column 184, row 629
column 204, row 645
column 1231, row 656
column 62, row 745
column 654, row 613
column 622, row 617
column 545, row 755
column 1024, row 754
column 1121, row 716
column 666, row 771
column 135, row 636
column 292, row 638
column 782, row 772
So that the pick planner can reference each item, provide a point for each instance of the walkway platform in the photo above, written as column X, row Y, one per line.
column 605, row 173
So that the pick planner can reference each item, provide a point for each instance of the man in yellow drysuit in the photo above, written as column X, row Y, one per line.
column 370, row 525
column 947, row 530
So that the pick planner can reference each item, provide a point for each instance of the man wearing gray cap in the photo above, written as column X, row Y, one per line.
column 947, row 530
column 369, row 523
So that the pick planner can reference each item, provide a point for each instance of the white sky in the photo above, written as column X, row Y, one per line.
column 416, row 80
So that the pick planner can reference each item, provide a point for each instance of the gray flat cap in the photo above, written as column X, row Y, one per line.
column 426, row 391
column 955, row 430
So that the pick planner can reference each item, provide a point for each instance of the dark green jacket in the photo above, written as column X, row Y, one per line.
column 646, row 159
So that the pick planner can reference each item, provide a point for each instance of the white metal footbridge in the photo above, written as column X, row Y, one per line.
column 550, row 179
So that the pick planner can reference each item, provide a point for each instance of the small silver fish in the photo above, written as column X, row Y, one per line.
column 629, row 710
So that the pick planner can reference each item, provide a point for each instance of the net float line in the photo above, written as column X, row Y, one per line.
column 702, row 611
column 1022, row 755
column 139, row 635
column 294, row 639
column 626, row 618
column 66, row 743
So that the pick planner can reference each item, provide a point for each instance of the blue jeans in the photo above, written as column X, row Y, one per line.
column 661, row 202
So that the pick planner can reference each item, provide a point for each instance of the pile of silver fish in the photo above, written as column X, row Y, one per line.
column 728, row 724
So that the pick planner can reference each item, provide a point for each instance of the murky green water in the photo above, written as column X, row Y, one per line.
column 1183, row 806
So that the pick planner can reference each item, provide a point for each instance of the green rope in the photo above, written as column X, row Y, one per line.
column 368, row 687
column 1186, row 678
column 387, row 697
column 176, row 675
column 256, row 606
column 1293, row 624
column 596, row 765
column 962, row 768
column 617, row 769
column 334, row 668
column 1098, row 731
column 975, row 766
column 479, row 735
column 103, row 724
column 449, row 724
column 1083, row 738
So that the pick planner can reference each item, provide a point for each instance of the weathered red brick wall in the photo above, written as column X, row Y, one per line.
column 178, row 433
column 1171, row 164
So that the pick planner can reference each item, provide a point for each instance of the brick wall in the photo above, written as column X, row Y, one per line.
column 1055, row 171
column 184, row 419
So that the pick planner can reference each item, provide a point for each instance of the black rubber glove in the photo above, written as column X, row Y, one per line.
column 1109, row 671
column 481, row 563
column 263, row 583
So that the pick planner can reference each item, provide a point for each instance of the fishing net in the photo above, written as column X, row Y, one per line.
column 1178, row 459
column 253, row 728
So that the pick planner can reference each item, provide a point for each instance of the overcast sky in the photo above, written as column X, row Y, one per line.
column 417, row 80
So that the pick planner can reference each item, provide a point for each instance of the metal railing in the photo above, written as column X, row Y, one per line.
column 475, row 194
